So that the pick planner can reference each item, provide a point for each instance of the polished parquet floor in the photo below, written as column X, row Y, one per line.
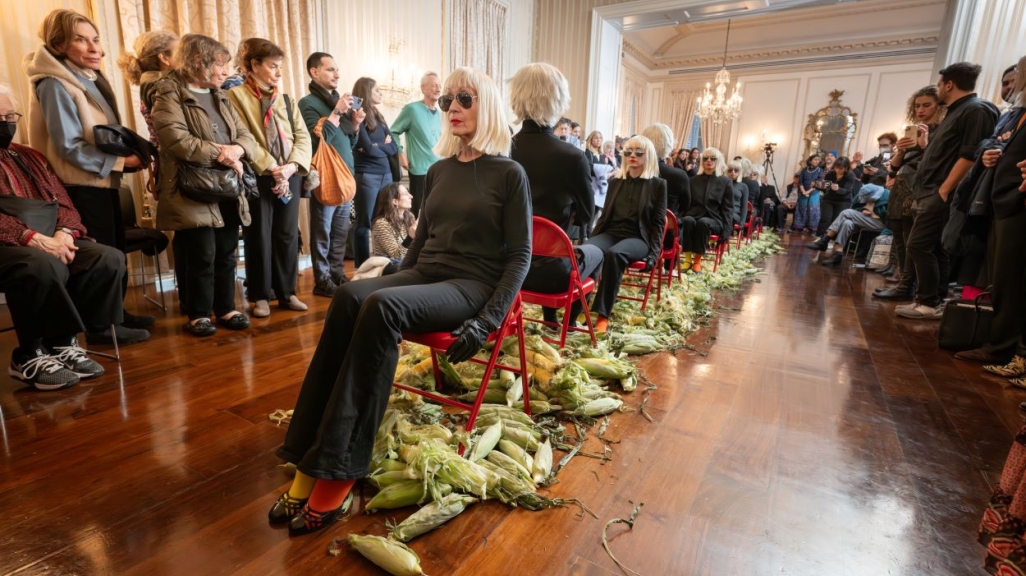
column 809, row 433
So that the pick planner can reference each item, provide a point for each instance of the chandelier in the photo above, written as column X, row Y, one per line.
column 714, row 105
column 398, row 90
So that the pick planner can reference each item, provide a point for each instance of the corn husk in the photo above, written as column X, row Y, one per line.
column 385, row 442
column 387, row 466
column 492, row 396
column 437, row 463
column 384, row 479
column 515, row 392
column 542, row 462
column 391, row 556
column 629, row 384
column 431, row 516
column 606, row 368
column 539, row 407
column 516, row 453
column 486, row 442
column 510, row 484
column 510, row 465
column 523, row 438
column 410, row 434
column 507, row 413
column 599, row 407
column 406, row 493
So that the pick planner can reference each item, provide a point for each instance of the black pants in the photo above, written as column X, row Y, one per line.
column 769, row 211
column 417, row 190
column 552, row 275
column 617, row 254
column 925, row 251
column 206, row 258
column 48, row 299
column 829, row 210
column 695, row 232
column 346, row 388
column 100, row 210
column 272, row 243
column 1007, row 262
column 900, row 229
column 782, row 212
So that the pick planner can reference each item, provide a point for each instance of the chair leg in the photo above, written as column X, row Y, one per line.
column 117, row 352
column 525, row 377
column 587, row 320
column 160, row 283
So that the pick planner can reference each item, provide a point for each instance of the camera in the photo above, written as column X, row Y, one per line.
column 769, row 147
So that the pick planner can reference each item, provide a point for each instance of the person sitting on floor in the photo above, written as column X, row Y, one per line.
column 870, row 217
column 57, row 281
column 393, row 226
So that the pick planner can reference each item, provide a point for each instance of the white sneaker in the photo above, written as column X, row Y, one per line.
column 261, row 309
column 75, row 359
column 922, row 312
column 42, row 371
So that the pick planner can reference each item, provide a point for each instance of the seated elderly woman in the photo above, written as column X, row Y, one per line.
column 631, row 226
column 57, row 282
column 871, row 216
column 461, row 274
column 711, row 210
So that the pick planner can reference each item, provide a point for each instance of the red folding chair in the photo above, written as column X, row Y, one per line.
column 550, row 241
column 745, row 229
column 656, row 274
column 718, row 249
column 512, row 324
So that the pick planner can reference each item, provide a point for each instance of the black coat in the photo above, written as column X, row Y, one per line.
column 740, row 203
column 652, row 210
column 678, row 188
column 559, row 174
column 712, row 197
column 846, row 187
column 1005, row 195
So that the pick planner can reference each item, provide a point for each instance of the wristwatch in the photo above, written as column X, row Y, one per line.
column 336, row 112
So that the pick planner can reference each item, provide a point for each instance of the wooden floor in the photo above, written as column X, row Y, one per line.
column 818, row 436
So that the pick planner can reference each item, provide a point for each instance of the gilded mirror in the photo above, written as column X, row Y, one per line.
column 831, row 128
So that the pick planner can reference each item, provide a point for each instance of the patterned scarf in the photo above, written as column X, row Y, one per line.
column 278, row 143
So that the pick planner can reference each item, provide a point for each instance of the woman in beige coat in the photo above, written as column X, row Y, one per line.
column 196, row 125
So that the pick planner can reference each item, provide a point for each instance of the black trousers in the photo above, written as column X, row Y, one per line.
column 1007, row 262
column 552, row 275
column 925, row 251
column 769, row 212
column 49, row 299
column 782, row 212
column 346, row 388
column 829, row 210
column 206, row 262
column 695, row 232
column 617, row 254
column 417, row 184
column 272, row 243
column 900, row 229
column 100, row 210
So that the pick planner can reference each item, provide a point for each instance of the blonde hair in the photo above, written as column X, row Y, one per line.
column 1020, row 82
column 651, row 169
column 539, row 92
column 492, row 136
column 662, row 138
column 197, row 54
column 58, row 28
column 587, row 143
column 721, row 166
column 148, row 48
column 746, row 167
column 739, row 166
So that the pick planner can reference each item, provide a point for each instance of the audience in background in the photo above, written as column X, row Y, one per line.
column 876, row 170
column 710, row 212
column 740, row 193
column 421, row 122
column 869, row 215
column 788, row 204
column 394, row 225
column 806, row 211
column 151, row 60
column 838, row 187
column 373, row 171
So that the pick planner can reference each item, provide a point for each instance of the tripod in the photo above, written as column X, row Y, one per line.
column 767, row 168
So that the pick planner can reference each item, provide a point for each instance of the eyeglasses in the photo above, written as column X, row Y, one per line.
column 708, row 158
column 734, row 170
column 12, row 117
column 636, row 152
column 466, row 100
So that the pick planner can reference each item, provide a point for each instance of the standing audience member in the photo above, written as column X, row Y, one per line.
column 461, row 274
column 947, row 158
column 422, row 124
column 558, row 173
column 806, row 212
column 150, row 61
column 57, row 282
column 71, row 97
column 631, row 226
column 373, row 172
column 239, row 77
column 710, row 212
column 925, row 110
column 329, row 225
column 839, row 186
column 394, row 225
column 199, row 129
column 281, row 158
column 593, row 148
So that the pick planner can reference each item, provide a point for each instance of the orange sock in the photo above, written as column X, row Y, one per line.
column 328, row 495
column 602, row 325
column 697, row 264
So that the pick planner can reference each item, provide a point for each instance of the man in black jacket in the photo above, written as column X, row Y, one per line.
column 946, row 160
column 558, row 172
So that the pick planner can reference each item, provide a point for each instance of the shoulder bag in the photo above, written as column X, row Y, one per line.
column 38, row 215
column 965, row 324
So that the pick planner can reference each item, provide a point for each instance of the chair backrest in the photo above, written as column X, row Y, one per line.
column 671, row 224
column 549, row 240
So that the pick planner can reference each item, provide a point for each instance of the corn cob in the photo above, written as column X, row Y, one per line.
column 492, row 396
column 431, row 516
column 531, row 429
column 401, row 494
column 391, row 556
column 521, row 438
column 383, row 479
column 486, row 442
column 515, row 392
column 606, row 368
column 510, row 484
column 508, row 464
column 387, row 466
column 516, row 453
column 629, row 384
column 539, row 407
column 542, row 467
column 507, row 413
column 599, row 407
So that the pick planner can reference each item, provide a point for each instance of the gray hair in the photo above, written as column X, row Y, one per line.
column 5, row 90
column 539, row 92
column 424, row 78
column 662, row 138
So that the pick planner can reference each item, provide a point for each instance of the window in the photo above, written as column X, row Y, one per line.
column 695, row 137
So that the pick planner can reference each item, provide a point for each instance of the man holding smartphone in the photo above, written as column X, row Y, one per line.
column 422, row 124
column 329, row 225
column 875, row 171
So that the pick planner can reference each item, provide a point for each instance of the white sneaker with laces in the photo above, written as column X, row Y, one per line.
column 77, row 360
column 42, row 371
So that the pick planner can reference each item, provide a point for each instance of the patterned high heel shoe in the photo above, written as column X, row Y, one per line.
column 308, row 520
column 285, row 508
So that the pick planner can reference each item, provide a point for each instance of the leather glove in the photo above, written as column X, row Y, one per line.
column 469, row 339
column 649, row 264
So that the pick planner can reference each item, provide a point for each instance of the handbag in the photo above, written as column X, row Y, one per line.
column 120, row 141
column 215, row 184
column 336, row 184
column 38, row 215
column 965, row 324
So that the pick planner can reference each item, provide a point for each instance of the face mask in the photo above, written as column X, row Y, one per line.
column 885, row 149
column 7, row 130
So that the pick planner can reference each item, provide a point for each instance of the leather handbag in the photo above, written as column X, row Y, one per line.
column 38, row 215
column 120, row 141
column 965, row 324
column 215, row 184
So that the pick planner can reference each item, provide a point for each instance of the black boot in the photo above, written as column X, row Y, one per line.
column 820, row 244
column 833, row 259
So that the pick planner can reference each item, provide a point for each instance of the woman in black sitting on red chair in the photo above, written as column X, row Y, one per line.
column 465, row 267
column 631, row 226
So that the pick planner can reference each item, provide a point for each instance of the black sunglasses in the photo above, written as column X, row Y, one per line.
column 708, row 158
column 466, row 100
column 637, row 152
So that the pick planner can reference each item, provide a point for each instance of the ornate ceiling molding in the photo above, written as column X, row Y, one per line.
column 740, row 59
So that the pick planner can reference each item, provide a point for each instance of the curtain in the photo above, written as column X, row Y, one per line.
column 682, row 114
column 478, row 37
column 632, row 102
column 716, row 135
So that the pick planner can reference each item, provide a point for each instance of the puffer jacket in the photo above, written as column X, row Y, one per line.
column 185, row 135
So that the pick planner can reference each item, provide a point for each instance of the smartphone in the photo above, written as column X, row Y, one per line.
column 911, row 132
column 886, row 156
column 357, row 102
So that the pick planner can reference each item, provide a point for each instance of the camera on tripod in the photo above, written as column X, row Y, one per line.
column 769, row 147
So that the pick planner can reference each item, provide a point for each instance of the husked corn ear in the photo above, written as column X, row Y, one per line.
column 522, row 438
column 515, row 392
column 517, row 453
column 629, row 384
column 542, row 462
column 507, row 378
column 486, row 442
column 599, row 407
column 431, row 516
column 389, row 555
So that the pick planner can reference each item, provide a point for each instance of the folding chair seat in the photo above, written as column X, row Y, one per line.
column 655, row 276
column 550, row 241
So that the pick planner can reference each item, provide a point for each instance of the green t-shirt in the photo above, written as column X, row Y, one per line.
column 423, row 128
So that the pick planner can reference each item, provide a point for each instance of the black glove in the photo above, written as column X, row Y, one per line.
column 469, row 339
column 649, row 264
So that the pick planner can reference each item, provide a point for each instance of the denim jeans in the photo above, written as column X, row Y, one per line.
column 367, row 188
column 329, row 230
